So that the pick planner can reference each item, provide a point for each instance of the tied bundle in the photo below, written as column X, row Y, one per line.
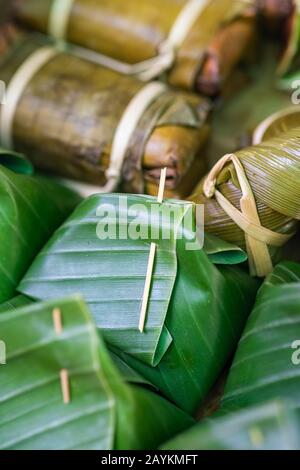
column 198, row 300
column 86, row 122
column 252, row 198
column 198, row 43
column 93, row 407
column 268, row 352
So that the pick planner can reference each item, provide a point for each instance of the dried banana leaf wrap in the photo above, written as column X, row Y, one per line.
column 197, row 43
column 196, row 308
column 277, row 124
column 103, row 411
column 83, row 121
column 252, row 198
column 31, row 209
column 266, row 364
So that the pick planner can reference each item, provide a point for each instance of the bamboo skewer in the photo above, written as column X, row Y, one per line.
column 64, row 375
column 162, row 184
column 65, row 386
column 151, row 259
column 57, row 321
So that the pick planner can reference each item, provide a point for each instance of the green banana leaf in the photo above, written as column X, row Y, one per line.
column 196, row 311
column 221, row 252
column 31, row 209
column 128, row 374
column 103, row 413
column 14, row 303
column 264, row 367
column 270, row 426
column 205, row 322
column 287, row 83
column 16, row 162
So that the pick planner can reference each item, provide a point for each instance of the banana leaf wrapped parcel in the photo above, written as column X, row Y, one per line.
column 86, row 122
column 31, row 209
column 197, row 43
column 269, row 426
column 266, row 364
column 196, row 308
column 277, row 124
column 70, row 395
column 252, row 198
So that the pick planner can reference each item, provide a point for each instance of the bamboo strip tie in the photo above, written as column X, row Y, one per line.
column 58, row 23
column 64, row 374
column 16, row 88
column 153, row 247
column 59, row 17
column 125, row 130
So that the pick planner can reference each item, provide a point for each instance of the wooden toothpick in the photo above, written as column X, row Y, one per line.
column 64, row 375
column 65, row 386
column 147, row 287
column 162, row 184
column 57, row 321
column 153, row 246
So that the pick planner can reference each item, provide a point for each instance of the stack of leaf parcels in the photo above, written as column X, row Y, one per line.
column 104, row 412
column 71, row 117
column 265, row 368
column 266, row 365
column 123, row 317
column 218, row 35
column 196, row 309
column 265, row 176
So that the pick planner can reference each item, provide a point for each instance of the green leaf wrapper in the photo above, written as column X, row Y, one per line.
column 196, row 311
column 103, row 414
column 263, row 367
column 31, row 209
